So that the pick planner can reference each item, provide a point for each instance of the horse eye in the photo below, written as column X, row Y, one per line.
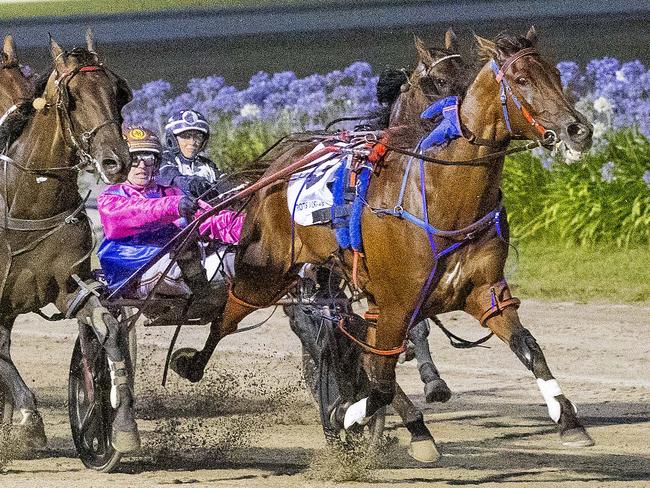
column 521, row 80
column 440, row 81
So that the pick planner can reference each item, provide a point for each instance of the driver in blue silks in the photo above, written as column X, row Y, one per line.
column 183, row 166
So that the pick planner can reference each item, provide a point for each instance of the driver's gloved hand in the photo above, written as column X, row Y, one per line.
column 198, row 186
column 187, row 208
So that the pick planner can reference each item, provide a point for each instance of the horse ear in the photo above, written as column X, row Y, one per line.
column 532, row 35
column 9, row 49
column 57, row 53
column 487, row 49
column 451, row 41
column 90, row 40
column 423, row 51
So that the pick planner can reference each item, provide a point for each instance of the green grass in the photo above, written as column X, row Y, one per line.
column 58, row 8
column 553, row 271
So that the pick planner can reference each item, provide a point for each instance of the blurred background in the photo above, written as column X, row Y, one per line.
column 180, row 39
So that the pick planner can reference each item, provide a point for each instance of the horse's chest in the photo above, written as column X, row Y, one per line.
column 39, row 275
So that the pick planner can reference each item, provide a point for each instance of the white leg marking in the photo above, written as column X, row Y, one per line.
column 356, row 414
column 551, row 389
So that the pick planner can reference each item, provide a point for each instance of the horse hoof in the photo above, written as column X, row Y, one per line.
column 30, row 432
column 424, row 451
column 126, row 442
column 577, row 437
column 437, row 391
column 182, row 363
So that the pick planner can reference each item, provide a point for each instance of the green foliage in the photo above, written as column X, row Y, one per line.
column 232, row 146
column 574, row 204
column 550, row 270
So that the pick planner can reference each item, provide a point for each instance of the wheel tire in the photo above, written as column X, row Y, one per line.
column 92, row 441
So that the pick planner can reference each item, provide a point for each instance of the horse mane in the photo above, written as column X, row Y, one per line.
column 82, row 55
column 15, row 123
column 506, row 45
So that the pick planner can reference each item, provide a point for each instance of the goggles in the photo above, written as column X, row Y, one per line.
column 149, row 160
column 191, row 134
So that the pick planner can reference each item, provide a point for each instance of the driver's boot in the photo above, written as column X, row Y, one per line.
column 205, row 303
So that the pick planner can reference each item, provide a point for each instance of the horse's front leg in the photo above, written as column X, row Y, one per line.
column 493, row 306
column 379, row 363
column 30, row 429
column 125, row 436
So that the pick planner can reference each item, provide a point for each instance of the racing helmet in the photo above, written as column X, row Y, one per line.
column 182, row 121
column 140, row 139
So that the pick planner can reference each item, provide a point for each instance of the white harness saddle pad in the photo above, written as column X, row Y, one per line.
column 308, row 190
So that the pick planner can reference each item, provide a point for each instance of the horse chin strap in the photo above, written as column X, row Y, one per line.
column 548, row 137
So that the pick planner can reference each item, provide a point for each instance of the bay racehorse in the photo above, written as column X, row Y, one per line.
column 403, row 95
column 440, row 244
column 72, row 124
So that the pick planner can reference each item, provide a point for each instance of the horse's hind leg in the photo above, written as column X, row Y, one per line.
column 507, row 326
column 30, row 429
column 190, row 364
column 435, row 388
column 124, row 436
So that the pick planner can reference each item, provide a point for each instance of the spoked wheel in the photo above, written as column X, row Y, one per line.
column 89, row 405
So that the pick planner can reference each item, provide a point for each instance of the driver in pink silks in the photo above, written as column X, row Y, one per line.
column 139, row 217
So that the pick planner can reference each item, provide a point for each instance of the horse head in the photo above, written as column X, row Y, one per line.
column 89, row 98
column 535, row 106
column 14, row 85
column 439, row 72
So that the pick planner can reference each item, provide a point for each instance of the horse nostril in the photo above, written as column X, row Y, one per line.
column 578, row 132
column 111, row 166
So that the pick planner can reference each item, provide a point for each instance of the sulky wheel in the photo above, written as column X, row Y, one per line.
column 89, row 404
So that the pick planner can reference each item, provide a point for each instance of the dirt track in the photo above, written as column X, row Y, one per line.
column 251, row 423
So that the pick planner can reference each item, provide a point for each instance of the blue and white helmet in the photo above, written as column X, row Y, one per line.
column 183, row 121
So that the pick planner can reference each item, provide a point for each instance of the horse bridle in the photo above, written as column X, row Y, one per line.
column 83, row 143
column 425, row 72
column 549, row 137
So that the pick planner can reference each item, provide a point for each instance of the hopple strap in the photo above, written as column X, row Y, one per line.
column 500, row 298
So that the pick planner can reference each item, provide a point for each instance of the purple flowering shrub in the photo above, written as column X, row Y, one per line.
column 613, row 95
column 308, row 102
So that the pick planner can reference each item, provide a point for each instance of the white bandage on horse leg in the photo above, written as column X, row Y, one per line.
column 117, row 380
column 356, row 414
column 551, row 389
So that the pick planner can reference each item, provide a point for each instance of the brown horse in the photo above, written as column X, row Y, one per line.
column 409, row 272
column 45, row 236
